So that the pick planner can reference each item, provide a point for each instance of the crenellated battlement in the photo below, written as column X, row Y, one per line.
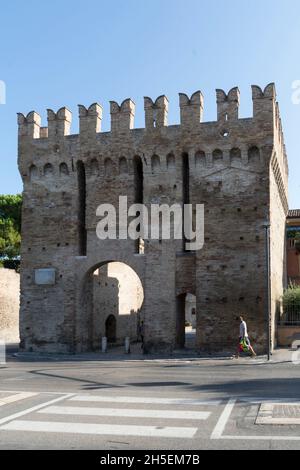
column 122, row 116
column 156, row 114
column 29, row 126
column 264, row 101
column 191, row 109
column 59, row 124
column 228, row 104
column 90, row 119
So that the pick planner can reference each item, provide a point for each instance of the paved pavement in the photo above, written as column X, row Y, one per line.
column 149, row 402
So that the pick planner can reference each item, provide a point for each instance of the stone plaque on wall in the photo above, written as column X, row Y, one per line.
column 44, row 277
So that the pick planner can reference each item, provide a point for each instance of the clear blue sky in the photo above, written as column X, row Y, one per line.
column 64, row 52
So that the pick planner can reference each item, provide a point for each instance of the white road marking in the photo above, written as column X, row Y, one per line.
column 145, row 400
column 123, row 412
column 221, row 424
column 278, row 421
column 100, row 429
column 16, row 397
column 267, row 406
column 262, row 438
column 40, row 392
column 11, row 379
column 32, row 409
column 256, row 400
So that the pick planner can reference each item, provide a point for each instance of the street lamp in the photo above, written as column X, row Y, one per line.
column 268, row 290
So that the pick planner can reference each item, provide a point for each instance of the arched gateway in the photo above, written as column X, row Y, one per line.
column 237, row 168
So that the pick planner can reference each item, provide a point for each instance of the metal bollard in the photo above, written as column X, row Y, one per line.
column 127, row 345
column 104, row 344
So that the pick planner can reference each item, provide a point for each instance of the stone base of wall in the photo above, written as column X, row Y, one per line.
column 45, row 347
column 152, row 347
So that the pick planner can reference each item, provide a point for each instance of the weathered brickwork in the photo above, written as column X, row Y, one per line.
column 236, row 167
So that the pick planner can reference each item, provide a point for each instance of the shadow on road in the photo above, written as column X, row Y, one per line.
column 157, row 384
column 253, row 388
column 88, row 384
column 12, row 348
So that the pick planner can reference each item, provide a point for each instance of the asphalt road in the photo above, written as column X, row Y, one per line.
column 149, row 404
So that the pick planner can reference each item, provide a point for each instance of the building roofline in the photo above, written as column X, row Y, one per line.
column 294, row 214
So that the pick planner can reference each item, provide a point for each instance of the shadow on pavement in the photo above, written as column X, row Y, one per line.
column 254, row 388
column 157, row 384
column 90, row 384
column 12, row 348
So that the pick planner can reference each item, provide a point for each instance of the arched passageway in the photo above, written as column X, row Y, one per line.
column 111, row 305
column 111, row 329
column 186, row 321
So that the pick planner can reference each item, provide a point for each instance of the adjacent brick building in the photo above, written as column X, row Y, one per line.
column 293, row 247
column 236, row 167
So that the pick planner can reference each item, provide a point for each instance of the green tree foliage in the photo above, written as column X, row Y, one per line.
column 10, row 208
column 10, row 225
column 291, row 295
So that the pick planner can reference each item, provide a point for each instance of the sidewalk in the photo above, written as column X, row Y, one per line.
column 117, row 353
column 281, row 355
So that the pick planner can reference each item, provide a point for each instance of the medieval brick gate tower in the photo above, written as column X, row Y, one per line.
column 236, row 167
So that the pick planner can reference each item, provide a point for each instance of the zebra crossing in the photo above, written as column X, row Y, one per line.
column 112, row 415
column 5, row 400
column 135, row 415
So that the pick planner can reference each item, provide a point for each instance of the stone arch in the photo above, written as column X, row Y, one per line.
column 254, row 155
column 155, row 163
column 108, row 167
column 63, row 169
column 200, row 159
column 87, row 328
column 48, row 169
column 235, row 155
column 123, row 166
column 111, row 329
column 33, row 172
column 217, row 155
column 185, row 303
column 171, row 161
column 94, row 166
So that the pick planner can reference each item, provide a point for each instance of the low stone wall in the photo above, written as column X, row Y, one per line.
column 9, row 305
column 286, row 335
